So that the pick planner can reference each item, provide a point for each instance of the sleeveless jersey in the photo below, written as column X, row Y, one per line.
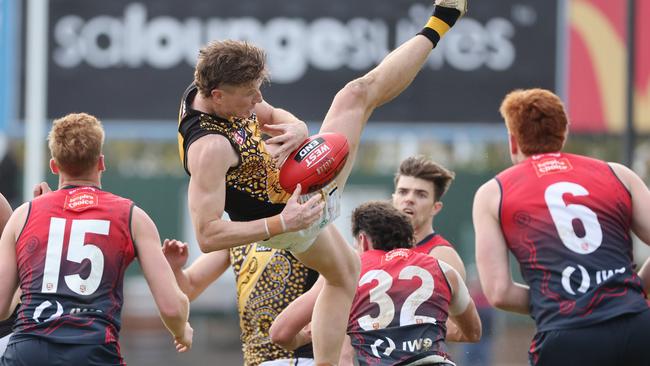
column 72, row 254
column 431, row 241
column 253, row 188
column 400, row 308
column 267, row 281
column 566, row 218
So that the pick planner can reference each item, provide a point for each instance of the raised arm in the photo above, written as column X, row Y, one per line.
column 209, row 159
column 203, row 271
column 287, row 131
column 492, row 254
column 172, row 303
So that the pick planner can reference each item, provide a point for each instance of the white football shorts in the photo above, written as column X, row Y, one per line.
column 290, row 362
column 299, row 241
column 3, row 343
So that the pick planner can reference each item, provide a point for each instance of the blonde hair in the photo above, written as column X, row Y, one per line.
column 537, row 120
column 229, row 62
column 75, row 142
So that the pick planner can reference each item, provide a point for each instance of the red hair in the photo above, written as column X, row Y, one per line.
column 537, row 120
column 75, row 142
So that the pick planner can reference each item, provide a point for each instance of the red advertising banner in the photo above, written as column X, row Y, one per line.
column 598, row 66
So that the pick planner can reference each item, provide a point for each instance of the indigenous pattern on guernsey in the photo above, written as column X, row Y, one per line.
column 267, row 281
column 253, row 189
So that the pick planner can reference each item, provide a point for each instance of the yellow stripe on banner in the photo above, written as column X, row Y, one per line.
column 607, row 52
column 642, row 108
column 438, row 25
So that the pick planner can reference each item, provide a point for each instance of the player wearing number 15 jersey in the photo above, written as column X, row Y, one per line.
column 68, row 251
column 403, row 298
column 567, row 219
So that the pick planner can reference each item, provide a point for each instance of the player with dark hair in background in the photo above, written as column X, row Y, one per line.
column 567, row 219
column 232, row 169
column 420, row 184
column 404, row 297
column 68, row 250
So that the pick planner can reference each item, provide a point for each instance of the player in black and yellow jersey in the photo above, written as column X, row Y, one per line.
column 267, row 281
column 221, row 120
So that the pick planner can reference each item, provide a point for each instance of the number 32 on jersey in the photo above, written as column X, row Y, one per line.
column 379, row 295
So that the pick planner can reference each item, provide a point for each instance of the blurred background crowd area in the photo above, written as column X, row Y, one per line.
column 128, row 62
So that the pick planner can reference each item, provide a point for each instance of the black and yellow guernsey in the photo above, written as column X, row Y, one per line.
column 267, row 279
column 253, row 188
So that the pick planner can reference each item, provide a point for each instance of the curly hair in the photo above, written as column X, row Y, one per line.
column 75, row 142
column 229, row 62
column 386, row 227
column 423, row 168
column 537, row 120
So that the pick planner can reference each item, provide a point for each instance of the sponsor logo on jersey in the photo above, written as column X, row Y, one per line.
column 396, row 253
column 240, row 136
column 261, row 248
column 80, row 200
column 551, row 165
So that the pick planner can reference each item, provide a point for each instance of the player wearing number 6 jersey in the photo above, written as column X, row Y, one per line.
column 68, row 250
column 567, row 220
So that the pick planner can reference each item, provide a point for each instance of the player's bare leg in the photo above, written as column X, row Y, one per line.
column 339, row 265
column 353, row 105
column 350, row 110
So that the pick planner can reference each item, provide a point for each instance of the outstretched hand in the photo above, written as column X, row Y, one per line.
column 176, row 252
column 298, row 216
column 287, row 137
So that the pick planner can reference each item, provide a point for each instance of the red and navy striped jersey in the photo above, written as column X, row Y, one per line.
column 566, row 218
column 400, row 308
column 72, row 254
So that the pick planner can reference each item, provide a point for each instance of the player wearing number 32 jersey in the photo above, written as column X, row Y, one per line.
column 404, row 297
column 68, row 251
column 567, row 219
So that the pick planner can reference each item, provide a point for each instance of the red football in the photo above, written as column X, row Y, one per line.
column 315, row 163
